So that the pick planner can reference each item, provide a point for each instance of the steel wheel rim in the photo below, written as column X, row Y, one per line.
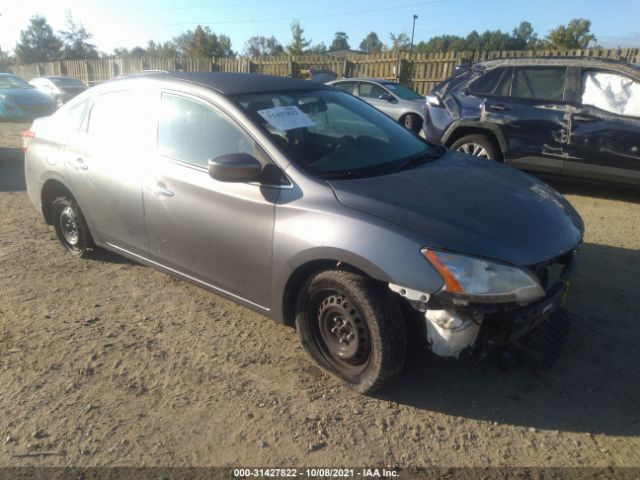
column 342, row 335
column 474, row 149
column 408, row 123
column 69, row 227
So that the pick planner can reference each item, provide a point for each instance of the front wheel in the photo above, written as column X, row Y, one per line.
column 476, row 145
column 412, row 122
column 71, row 227
column 352, row 327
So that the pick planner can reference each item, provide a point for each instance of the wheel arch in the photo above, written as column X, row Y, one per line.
column 462, row 129
column 52, row 189
column 306, row 270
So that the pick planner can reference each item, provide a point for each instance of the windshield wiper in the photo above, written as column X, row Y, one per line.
column 339, row 175
column 415, row 160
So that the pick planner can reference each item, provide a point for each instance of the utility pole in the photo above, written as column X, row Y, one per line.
column 413, row 30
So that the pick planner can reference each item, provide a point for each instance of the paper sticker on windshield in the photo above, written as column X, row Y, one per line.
column 286, row 118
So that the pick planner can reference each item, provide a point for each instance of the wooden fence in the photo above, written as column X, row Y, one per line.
column 420, row 72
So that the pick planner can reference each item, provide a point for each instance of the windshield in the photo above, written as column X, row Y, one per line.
column 402, row 91
column 332, row 134
column 66, row 82
column 11, row 81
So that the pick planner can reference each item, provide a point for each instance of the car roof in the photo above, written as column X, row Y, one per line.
column 562, row 61
column 234, row 83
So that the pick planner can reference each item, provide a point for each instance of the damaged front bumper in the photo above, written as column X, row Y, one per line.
column 474, row 331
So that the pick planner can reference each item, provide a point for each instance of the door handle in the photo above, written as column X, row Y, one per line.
column 584, row 118
column 79, row 164
column 497, row 108
column 160, row 189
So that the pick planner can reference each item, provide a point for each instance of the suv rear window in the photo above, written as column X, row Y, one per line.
column 486, row 84
column 540, row 83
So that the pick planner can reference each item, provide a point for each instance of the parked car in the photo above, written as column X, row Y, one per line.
column 569, row 116
column 20, row 102
column 62, row 89
column 309, row 206
column 322, row 75
column 394, row 99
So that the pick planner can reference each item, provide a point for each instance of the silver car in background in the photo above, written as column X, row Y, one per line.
column 394, row 99
column 309, row 206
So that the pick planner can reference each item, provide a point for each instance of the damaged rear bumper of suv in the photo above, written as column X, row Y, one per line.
column 473, row 331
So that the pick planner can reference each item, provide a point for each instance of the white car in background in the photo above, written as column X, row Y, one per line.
column 62, row 89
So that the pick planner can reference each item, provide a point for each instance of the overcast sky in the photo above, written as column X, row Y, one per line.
column 127, row 23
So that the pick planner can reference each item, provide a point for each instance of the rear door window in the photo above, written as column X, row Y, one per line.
column 369, row 90
column 346, row 87
column 192, row 132
column 611, row 92
column 120, row 120
column 539, row 83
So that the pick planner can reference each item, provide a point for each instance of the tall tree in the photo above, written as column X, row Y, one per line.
column 576, row 34
column 76, row 41
column 298, row 43
column 161, row 50
column 318, row 48
column 371, row 43
column 524, row 37
column 38, row 43
column 260, row 46
column 202, row 42
column 340, row 41
column 399, row 42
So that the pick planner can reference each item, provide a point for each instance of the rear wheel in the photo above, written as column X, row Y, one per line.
column 477, row 145
column 71, row 227
column 352, row 328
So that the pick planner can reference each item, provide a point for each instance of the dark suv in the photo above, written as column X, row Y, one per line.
column 569, row 116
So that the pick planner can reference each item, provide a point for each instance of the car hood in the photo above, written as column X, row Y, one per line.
column 25, row 96
column 470, row 205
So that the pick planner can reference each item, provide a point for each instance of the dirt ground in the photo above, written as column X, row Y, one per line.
column 106, row 362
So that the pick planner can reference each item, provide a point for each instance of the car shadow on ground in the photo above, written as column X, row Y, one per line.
column 12, row 170
column 592, row 188
column 595, row 387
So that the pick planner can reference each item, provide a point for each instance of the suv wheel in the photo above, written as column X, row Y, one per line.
column 71, row 227
column 477, row 145
column 351, row 327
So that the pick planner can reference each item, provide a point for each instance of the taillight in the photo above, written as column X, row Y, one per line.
column 27, row 136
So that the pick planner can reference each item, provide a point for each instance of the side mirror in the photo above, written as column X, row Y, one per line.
column 387, row 96
column 235, row 168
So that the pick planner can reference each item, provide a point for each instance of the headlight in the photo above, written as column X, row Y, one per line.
column 483, row 281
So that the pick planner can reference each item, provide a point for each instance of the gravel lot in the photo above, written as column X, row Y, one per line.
column 106, row 362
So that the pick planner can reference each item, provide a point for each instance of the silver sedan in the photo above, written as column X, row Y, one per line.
column 394, row 99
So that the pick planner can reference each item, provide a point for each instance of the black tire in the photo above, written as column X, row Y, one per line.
column 71, row 227
column 476, row 143
column 336, row 305
column 411, row 122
